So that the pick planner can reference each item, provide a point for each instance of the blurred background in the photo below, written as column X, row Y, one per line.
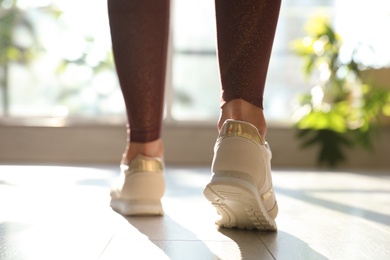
column 60, row 101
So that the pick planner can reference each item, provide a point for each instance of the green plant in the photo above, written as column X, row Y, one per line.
column 340, row 111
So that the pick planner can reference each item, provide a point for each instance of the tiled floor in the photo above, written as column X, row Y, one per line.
column 58, row 212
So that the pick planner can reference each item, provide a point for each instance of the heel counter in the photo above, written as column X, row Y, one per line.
column 144, row 185
column 237, row 154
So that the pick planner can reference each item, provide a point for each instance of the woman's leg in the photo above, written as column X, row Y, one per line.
column 139, row 32
column 245, row 33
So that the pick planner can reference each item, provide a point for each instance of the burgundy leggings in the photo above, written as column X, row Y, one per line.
column 139, row 32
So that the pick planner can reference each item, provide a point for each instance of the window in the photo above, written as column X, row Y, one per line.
column 70, row 71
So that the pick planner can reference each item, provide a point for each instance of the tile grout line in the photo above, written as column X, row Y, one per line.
column 269, row 251
column 104, row 249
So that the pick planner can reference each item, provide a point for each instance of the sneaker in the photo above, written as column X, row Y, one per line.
column 241, row 185
column 140, row 187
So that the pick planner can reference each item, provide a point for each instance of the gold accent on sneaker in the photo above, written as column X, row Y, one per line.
column 235, row 128
column 268, row 194
column 143, row 164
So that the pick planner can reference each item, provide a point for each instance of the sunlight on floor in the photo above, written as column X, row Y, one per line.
column 62, row 212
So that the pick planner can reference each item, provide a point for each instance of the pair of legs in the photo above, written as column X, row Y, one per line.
column 139, row 30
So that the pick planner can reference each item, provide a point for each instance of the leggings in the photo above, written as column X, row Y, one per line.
column 139, row 34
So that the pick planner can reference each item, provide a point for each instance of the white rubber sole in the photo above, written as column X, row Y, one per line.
column 137, row 207
column 239, row 204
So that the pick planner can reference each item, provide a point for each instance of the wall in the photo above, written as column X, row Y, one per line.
column 184, row 144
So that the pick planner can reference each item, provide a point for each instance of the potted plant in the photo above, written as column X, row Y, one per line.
column 340, row 111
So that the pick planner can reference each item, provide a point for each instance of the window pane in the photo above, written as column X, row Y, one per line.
column 196, row 91
column 364, row 24
column 70, row 71
column 195, row 70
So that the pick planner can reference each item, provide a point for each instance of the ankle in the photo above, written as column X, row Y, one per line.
column 149, row 149
column 239, row 109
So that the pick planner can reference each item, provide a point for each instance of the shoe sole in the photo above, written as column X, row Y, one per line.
column 239, row 204
column 133, row 208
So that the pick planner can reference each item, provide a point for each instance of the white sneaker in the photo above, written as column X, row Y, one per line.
column 140, row 187
column 241, row 184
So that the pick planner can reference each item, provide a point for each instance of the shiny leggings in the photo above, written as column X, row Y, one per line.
column 139, row 33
